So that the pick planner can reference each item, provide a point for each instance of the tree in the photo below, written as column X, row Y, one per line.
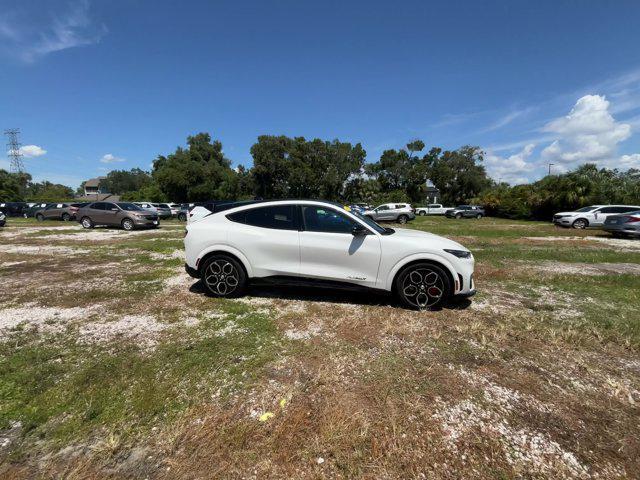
column 48, row 192
column 12, row 186
column 458, row 174
column 200, row 172
column 295, row 167
column 120, row 182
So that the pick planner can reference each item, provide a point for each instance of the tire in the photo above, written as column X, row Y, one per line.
column 422, row 286
column 422, row 213
column 479, row 216
column 402, row 219
column 66, row 217
column 128, row 224
column 458, row 215
column 580, row 223
column 86, row 222
column 223, row 276
column 40, row 217
column 182, row 217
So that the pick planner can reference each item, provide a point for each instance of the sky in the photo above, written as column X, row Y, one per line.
column 96, row 85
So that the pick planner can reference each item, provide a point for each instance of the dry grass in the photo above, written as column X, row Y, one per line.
column 524, row 382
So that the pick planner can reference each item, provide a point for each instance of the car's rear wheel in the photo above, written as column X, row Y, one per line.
column 223, row 276
column 422, row 213
column 580, row 223
column 127, row 224
column 479, row 216
column 422, row 286
column 86, row 222
column 40, row 217
column 458, row 215
column 66, row 217
column 402, row 219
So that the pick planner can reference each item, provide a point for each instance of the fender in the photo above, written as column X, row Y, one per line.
column 226, row 248
column 387, row 283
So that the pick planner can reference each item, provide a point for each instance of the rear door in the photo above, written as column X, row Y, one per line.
column 53, row 211
column 97, row 212
column 384, row 212
column 269, row 238
column 329, row 250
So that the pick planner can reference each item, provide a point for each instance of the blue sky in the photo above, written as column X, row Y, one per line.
column 97, row 85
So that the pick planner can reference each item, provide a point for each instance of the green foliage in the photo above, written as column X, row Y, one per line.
column 47, row 192
column 200, row 172
column 286, row 167
column 584, row 186
column 120, row 182
column 12, row 186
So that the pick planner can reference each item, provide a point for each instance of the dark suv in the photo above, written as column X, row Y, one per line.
column 465, row 211
column 125, row 215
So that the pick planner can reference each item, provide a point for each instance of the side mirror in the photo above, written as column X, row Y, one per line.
column 358, row 230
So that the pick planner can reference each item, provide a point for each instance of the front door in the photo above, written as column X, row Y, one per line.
column 329, row 250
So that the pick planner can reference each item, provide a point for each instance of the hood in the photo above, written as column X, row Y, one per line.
column 417, row 237
column 569, row 213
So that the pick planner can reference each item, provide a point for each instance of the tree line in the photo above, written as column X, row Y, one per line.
column 285, row 167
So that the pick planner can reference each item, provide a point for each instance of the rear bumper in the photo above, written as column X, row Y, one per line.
column 191, row 271
column 622, row 229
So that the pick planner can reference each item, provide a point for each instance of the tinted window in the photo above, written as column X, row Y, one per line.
column 382, row 207
column 99, row 206
column 130, row 207
column 435, row 205
column 609, row 210
column 281, row 217
column 323, row 219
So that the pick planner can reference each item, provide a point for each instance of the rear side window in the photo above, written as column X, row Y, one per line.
column 280, row 217
column 99, row 206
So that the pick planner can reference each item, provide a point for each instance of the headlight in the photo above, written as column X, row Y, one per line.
column 459, row 253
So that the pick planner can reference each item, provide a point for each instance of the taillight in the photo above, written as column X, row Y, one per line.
column 632, row 219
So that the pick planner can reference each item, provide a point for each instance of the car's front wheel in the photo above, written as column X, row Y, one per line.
column 223, row 276
column 458, row 215
column 422, row 286
column 479, row 216
column 40, row 217
column 422, row 213
column 127, row 224
column 580, row 223
column 66, row 217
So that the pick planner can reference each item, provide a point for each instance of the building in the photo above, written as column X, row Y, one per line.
column 432, row 194
column 95, row 190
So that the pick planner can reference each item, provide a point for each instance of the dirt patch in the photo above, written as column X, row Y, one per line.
column 41, row 250
column 143, row 329
column 589, row 269
column 44, row 319
column 619, row 244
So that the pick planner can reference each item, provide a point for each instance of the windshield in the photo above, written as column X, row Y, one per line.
column 586, row 209
column 129, row 207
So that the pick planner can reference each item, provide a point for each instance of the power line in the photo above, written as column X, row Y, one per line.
column 13, row 146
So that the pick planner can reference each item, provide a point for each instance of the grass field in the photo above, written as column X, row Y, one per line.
column 114, row 364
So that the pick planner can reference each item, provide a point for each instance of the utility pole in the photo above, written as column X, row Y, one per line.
column 550, row 165
column 13, row 146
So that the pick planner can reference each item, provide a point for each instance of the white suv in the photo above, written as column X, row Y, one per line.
column 313, row 242
column 592, row 216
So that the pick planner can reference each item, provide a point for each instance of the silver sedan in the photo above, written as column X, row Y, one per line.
column 623, row 224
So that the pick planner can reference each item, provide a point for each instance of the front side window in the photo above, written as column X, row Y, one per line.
column 280, row 217
column 586, row 209
column 323, row 219
column 381, row 208
column 99, row 206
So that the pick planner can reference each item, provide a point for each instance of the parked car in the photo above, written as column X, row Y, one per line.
column 13, row 209
column 58, row 211
column 146, row 206
column 391, row 212
column 122, row 214
column 591, row 216
column 199, row 210
column 3, row 219
column 320, row 243
column 175, row 209
column 183, row 212
column 465, row 211
column 164, row 211
column 432, row 209
column 31, row 211
column 627, row 224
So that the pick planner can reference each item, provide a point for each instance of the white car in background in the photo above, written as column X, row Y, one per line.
column 307, row 242
column 592, row 216
column 432, row 209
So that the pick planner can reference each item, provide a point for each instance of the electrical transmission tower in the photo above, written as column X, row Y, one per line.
column 13, row 151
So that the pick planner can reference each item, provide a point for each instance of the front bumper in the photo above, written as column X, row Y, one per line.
column 563, row 221
column 468, row 294
column 191, row 271
column 146, row 222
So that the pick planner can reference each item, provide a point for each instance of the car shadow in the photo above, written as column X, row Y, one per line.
column 328, row 295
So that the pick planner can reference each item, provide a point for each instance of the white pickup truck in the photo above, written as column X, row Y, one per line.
column 432, row 209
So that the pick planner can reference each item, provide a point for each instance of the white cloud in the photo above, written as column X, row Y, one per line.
column 513, row 169
column 29, row 40
column 31, row 151
column 588, row 134
column 625, row 162
column 109, row 158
